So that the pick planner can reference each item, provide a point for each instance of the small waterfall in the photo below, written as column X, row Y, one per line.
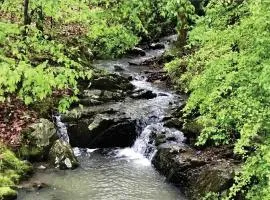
column 144, row 148
column 145, row 143
column 61, row 129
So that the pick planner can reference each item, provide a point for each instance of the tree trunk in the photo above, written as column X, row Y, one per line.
column 182, row 32
column 25, row 12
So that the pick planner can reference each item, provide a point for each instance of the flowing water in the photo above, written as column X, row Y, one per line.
column 117, row 174
column 105, row 177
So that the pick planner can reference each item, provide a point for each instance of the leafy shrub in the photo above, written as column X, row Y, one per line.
column 31, row 80
column 228, row 78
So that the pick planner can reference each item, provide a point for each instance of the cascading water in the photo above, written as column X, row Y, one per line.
column 145, row 143
column 144, row 148
column 151, row 113
column 61, row 129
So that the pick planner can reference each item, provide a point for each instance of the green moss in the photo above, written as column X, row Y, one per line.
column 12, row 170
column 10, row 162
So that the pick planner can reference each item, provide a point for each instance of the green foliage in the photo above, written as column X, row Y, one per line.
column 108, row 41
column 116, row 26
column 184, row 12
column 228, row 78
column 33, row 67
column 7, row 192
column 211, row 196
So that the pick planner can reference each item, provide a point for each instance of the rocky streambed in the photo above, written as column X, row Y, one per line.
column 128, row 126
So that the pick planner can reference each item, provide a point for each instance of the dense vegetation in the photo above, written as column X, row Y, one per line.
column 226, row 73
column 49, row 46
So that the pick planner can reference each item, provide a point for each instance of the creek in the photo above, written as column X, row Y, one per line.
column 120, row 173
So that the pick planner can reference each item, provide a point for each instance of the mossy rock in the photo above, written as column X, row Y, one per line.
column 12, row 166
column 37, row 140
column 12, row 170
column 61, row 156
column 110, row 82
column 214, row 177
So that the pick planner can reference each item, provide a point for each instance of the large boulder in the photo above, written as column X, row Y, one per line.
column 143, row 94
column 174, row 123
column 194, row 173
column 97, row 97
column 155, row 46
column 37, row 140
column 62, row 156
column 110, row 82
column 103, row 131
column 136, row 51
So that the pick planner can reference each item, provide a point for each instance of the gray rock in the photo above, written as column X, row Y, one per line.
column 136, row 51
column 156, row 46
column 143, row 94
column 118, row 68
column 97, row 97
column 174, row 123
column 32, row 186
column 162, row 94
column 110, row 82
column 103, row 131
column 42, row 167
column 61, row 156
column 160, row 139
column 87, row 113
column 37, row 140
column 144, row 61
column 194, row 173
